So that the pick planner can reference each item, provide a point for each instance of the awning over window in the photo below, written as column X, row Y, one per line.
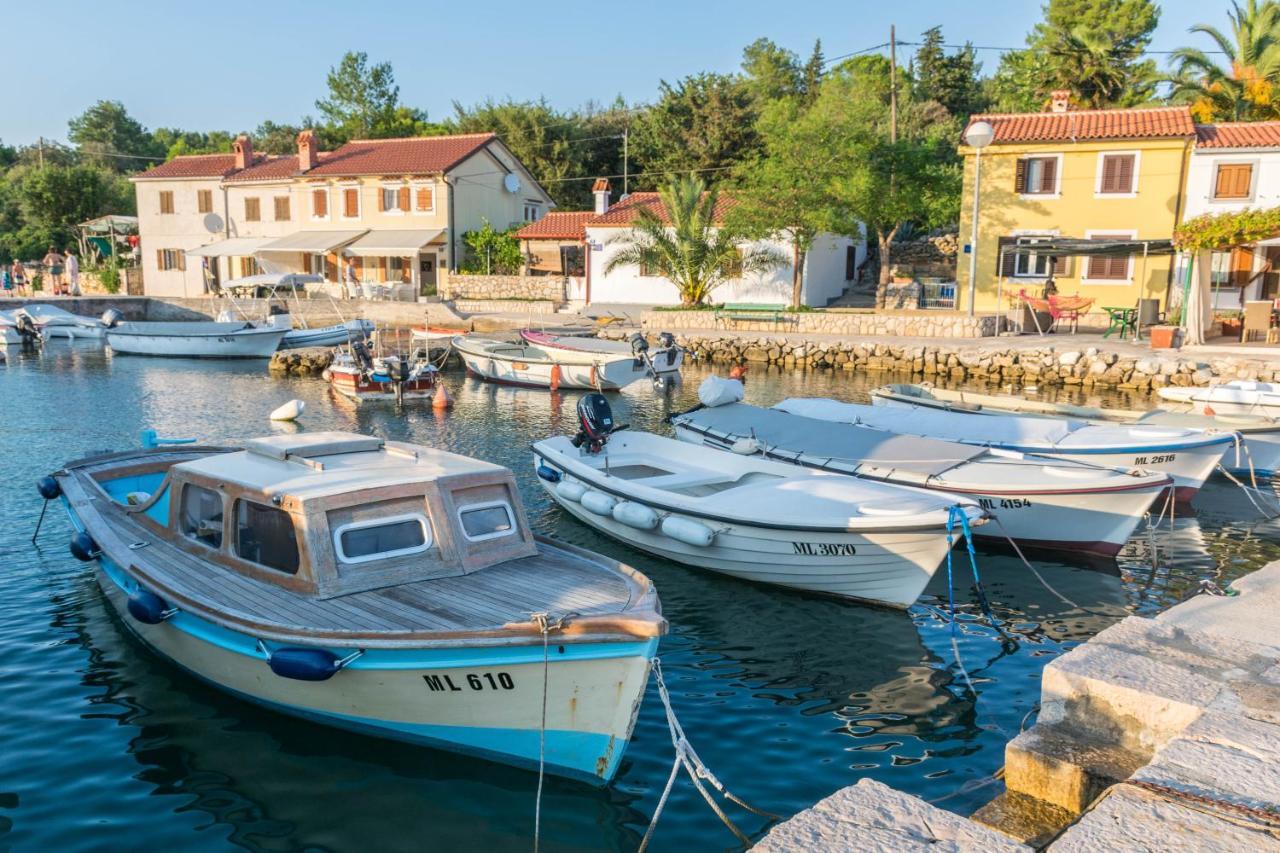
column 1062, row 247
column 233, row 247
column 311, row 242
column 394, row 243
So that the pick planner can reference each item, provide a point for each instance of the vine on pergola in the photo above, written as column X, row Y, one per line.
column 1219, row 231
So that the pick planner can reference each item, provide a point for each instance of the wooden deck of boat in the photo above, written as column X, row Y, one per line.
column 552, row 581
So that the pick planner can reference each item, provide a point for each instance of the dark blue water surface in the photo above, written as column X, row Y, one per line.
column 787, row 697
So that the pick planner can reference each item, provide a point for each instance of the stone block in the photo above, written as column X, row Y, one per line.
column 1023, row 818
column 1065, row 768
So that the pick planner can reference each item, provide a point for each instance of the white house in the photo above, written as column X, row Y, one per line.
column 1236, row 166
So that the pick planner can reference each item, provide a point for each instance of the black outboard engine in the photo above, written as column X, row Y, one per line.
column 27, row 330
column 360, row 352
column 595, row 416
column 639, row 344
column 666, row 340
column 111, row 318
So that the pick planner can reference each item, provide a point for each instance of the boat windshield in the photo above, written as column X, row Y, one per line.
column 487, row 520
column 202, row 515
column 386, row 537
column 265, row 536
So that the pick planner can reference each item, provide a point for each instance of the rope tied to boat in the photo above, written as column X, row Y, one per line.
column 1249, row 492
column 687, row 758
column 545, row 624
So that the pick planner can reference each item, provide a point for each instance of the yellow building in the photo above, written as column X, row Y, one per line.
column 1084, row 174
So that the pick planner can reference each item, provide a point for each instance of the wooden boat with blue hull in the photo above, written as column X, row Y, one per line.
column 385, row 588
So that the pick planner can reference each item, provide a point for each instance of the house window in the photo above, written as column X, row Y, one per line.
column 351, row 202
column 394, row 199
column 1233, row 181
column 202, row 515
column 1037, row 176
column 264, row 535
column 850, row 263
column 171, row 259
column 487, row 521
column 1034, row 264
column 424, row 199
column 166, row 201
column 532, row 212
column 252, row 210
column 397, row 536
column 572, row 260
column 320, row 204
column 281, row 203
column 1107, row 268
column 204, row 201
column 1116, row 174
column 248, row 267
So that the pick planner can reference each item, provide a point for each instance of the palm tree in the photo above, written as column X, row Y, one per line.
column 1101, row 71
column 1247, row 88
column 687, row 246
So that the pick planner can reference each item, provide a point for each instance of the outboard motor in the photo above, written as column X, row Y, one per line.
column 360, row 352
column 639, row 344
column 27, row 330
column 666, row 340
column 595, row 416
column 111, row 318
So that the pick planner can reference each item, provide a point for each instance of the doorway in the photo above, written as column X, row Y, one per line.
column 427, row 274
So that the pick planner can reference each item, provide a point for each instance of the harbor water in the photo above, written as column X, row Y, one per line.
column 786, row 696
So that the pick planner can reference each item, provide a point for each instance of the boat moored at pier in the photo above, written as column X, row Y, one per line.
column 195, row 339
column 545, row 367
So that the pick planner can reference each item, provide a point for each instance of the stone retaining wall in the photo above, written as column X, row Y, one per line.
column 505, row 306
column 929, row 324
column 487, row 287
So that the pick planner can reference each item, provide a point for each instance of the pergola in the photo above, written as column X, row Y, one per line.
column 108, row 228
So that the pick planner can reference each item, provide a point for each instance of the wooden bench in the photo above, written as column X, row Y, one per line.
column 751, row 311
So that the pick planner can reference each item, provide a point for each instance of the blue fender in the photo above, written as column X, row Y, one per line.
column 304, row 664
column 148, row 608
column 48, row 487
column 83, row 548
column 546, row 472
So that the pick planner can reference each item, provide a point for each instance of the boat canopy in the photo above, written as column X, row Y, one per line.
column 111, row 224
column 311, row 242
column 394, row 243
column 229, row 248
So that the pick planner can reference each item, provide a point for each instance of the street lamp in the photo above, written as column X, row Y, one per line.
column 978, row 136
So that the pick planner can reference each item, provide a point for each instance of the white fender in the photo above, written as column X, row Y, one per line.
column 599, row 502
column 570, row 491
column 745, row 446
column 290, row 411
column 688, row 531
column 635, row 515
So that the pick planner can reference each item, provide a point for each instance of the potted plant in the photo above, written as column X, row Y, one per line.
column 1232, row 323
column 1165, row 337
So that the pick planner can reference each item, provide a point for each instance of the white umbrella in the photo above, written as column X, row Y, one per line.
column 1197, row 313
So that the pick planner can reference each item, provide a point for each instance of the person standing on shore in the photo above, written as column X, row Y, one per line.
column 53, row 264
column 19, row 274
column 350, row 287
column 73, row 272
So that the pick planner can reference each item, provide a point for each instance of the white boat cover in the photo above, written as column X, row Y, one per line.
column 836, row 442
column 394, row 243
column 716, row 391
column 311, row 242
column 1013, row 430
column 53, row 315
column 231, row 248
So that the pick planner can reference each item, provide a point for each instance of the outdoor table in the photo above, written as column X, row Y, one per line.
column 1122, row 320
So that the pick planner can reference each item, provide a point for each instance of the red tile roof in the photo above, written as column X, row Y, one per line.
column 626, row 210
column 1086, row 125
column 415, row 155
column 558, row 225
column 1257, row 134
column 272, row 167
column 193, row 166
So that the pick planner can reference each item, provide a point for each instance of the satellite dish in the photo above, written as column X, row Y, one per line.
column 212, row 223
column 511, row 182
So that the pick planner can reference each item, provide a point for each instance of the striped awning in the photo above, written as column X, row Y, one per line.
column 230, row 248
column 311, row 242
column 394, row 243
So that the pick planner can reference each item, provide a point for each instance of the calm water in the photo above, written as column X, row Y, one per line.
column 786, row 696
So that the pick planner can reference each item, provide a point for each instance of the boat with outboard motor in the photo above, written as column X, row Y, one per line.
column 53, row 322
column 545, row 367
column 386, row 588
column 359, row 375
column 1259, row 455
column 751, row 518
column 1038, row 502
column 666, row 360
column 1237, row 397
column 1187, row 455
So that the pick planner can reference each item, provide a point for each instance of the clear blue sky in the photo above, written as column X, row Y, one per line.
column 230, row 64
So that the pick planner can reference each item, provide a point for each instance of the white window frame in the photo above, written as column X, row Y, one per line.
column 1057, row 177
column 395, row 187
column 1254, row 162
column 428, row 539
column 1017, row 235
column 511, row 517
column 312, row 189
column 1127, row 281
column 1137, row 170
column 536, row 207
column 414, row 186
column 342, row 197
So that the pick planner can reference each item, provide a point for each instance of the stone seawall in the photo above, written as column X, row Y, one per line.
column 484, row 287
column 852, row 322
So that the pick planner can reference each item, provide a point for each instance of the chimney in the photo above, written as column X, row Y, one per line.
column 600, row 189
column 307, row 157
column 243, row 147
column 1060, row 100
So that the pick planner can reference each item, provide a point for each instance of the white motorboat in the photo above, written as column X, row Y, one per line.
column 358, row 375
column 665, row 360
column 1238, row 397
column 544, row 367
column 53, row 322
column 387, row 588
column 195, row 339
column 1259, row 455
column 328, row 336
column 1187, row 455
column 9, row 334
column 1040, row 503
column 747, row 517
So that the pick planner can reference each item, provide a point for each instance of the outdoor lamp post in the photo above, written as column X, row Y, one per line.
column 978, row 136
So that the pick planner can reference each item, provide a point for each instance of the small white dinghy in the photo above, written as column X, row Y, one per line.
column 1049, row 504
column 195, row 339
column 53, row 322
column 665, row 360
column 544, row 367
column 1187, row 455
column 1259, row 456
column 1238, row 397
column 750, row 518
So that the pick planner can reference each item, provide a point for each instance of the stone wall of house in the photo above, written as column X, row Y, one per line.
column 490, row 287
column 931, row 324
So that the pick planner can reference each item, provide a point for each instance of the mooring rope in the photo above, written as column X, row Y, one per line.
column 1248, row 492
column 1027, row 563
column 951, row 603
column 546, row 625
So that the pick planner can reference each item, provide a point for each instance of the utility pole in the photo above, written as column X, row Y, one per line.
column 626, row 162
column 40, row 148
column 893, row 85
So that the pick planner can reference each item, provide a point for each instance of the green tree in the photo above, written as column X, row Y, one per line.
column 41, row 207
column 688, row 247
column 812, row 74
column 949, row 79
column 1247, row 86
column 704, row 123
column 177, row 142
column 491, row 252
column 364, row 102
column 771, row 72
column 272, row 138
column 107, row 135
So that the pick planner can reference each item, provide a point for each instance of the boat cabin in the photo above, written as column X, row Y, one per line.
column 332, row 513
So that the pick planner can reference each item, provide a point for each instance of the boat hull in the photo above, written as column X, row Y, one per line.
column 663, row 361
column 329, row 336
column 245, row 343
column 1189, row 466
column 483, row 701
column 606, row 376
column 357, row 387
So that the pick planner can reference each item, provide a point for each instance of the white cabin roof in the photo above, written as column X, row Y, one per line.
column 318, row 464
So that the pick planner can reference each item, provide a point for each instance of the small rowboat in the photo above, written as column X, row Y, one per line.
column 1187, row 455
column 386, row 588
column 433, row 335
column 545, row 367
column 665, row 360
column 195, row 339
column 1238, row 397
column 753, row 519
column 1261, row 449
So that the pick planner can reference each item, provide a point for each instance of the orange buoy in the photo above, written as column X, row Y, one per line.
column 441, row 399
column 555, row 377
column 1208, row 410
column 739, row 372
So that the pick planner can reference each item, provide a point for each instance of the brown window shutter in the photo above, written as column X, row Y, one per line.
column 1049, row 175
column 1221, row 182
column 424, row 198
column 1244, row 174
column 160, row 259
column 1124, row 174
column 404, row 199
column 320, row 202
column 182, row 260
column 1109, row 167
column 1008, row 260
column 349, row 202
column 1020, row 176
column 382, row 200
column 1062, row 266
